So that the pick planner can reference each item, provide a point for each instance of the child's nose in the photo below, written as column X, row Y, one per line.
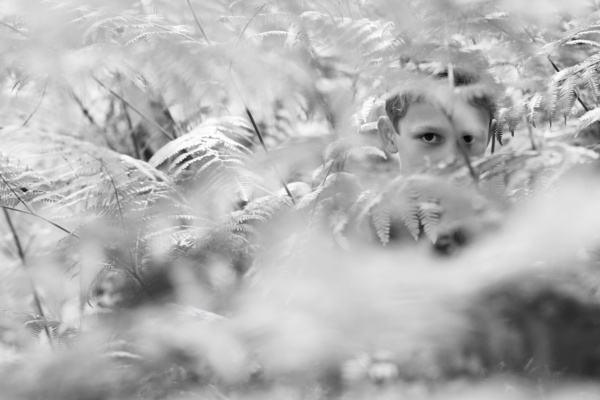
column 457, row 152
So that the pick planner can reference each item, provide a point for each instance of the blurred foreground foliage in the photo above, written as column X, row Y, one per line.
column 195, row 203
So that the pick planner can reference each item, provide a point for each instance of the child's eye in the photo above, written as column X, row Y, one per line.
column 431, row 138
column 468, row 139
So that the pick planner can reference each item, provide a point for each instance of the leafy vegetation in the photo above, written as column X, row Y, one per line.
column 196, row 204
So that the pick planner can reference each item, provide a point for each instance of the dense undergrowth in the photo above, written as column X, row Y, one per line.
column 196, row 205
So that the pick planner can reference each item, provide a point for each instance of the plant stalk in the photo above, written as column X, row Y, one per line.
column 36, row 296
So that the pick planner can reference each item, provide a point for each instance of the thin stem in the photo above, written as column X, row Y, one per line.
column 133, row 272
column 448, row 114
column 15, row 193
column 248, row 23
column 264, row 146
column 62, row 228
column 134, row 139
column 37, row 106
column 36, row 296
column 198, row 24
column 465, row 154
column 251, row 117
column 134, row 109
column 84, row 110
column 114, row 186
column 531, row 138
column 14, row 29
column 244, row 31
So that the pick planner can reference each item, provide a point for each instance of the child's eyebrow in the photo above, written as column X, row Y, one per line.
column 427, row 127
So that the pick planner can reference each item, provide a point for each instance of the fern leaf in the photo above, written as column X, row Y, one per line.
column 589, row 118
column 368, row 128
column 365, row 151
column 310, row 198
column 365, row 110
column 270, row 34
column 566, row 96
column 380, row 215
column 429, row 216
column 583, row 42
column 591, row 80
column 532, row 105
column 338, row 222
column 407, row 207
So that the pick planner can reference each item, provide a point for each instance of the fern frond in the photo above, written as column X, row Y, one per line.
column 382, row 222
column 81, row 178
column 311, row 198
column 591, row 80
column 19, row 183
column 365, row 151
column 589, row 118
column 338, row 223
column 365, row 110
column 532, row 105
column 408, row 209
column 368, row 128
column 270, row 34
column 222, row 132
column 429, row 215
column 566, row 96
column 583, row 42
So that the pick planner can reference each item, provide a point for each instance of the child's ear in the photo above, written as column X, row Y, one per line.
column 386, row 134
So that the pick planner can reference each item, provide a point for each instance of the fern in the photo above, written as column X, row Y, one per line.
column 591, row 80
column 338, row 223
column 589, row 118
column 566, row 97
column 408, row 209
column 518, row 175
column 211, row 152
column 382, row 222
column 18, row 183
column 429, row 215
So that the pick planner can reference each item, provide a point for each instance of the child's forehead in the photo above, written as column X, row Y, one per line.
column 446, row 98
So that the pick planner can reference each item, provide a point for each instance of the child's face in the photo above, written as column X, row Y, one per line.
column 427, row 136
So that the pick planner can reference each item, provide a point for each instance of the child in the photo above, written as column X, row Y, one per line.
column 432, row 121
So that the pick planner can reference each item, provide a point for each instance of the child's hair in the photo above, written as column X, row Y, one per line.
column 397, row 105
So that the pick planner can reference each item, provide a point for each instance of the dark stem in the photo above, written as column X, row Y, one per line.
column 461, row 146
column 198, row 24
column 248, row 23
column 37, row 106
column 585, row 107
column 264, row 146
column 533, row 145
column 84, row 110
column 134, row 109
column 465, row 154
column 134, row 139
column 14, row 29
column 15, row 194
column 29, row 210
column 36, row 296
column 62, row 228
column 134, row 270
